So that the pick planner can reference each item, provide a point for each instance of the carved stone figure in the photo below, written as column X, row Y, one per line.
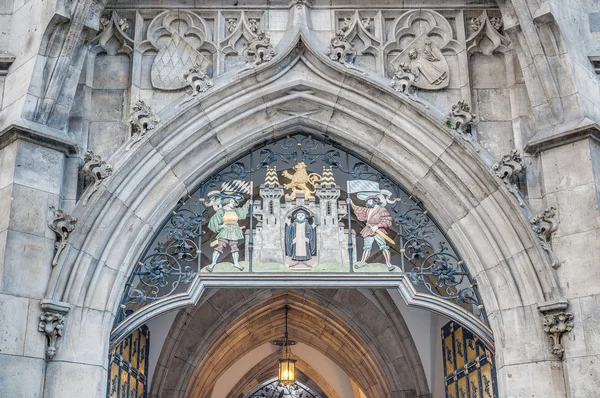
column 509, row 169
column 300, row 240
column 225, row 224
column 62, row 225
column 425, row 65
column 367, row 24
column 299, row 182
column 544, row 225
column 403, row 79
column 142, row 119
column 461, row 119
column 97, row 170
column 259, row 50
column 198, row 79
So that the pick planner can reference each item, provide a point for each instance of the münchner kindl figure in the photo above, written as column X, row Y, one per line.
column 225, row 224
column 377, row 219
column 300, row 240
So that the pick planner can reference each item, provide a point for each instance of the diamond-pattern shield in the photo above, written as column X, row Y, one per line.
column 172, row 61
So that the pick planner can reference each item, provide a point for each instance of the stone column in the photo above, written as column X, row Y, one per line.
column 31, row 176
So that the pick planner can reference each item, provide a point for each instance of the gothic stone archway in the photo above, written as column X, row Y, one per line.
column 273, row 100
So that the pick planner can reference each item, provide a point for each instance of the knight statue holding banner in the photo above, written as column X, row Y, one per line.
column 300, row 240
column 375, row 216
column 225, row 220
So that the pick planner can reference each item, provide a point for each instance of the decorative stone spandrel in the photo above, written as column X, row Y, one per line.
column 509, row 169
column 97, row 170
column 544, row 225
column 62, row 225
column 142, row 119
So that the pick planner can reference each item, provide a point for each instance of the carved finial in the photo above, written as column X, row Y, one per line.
column 367, row 24
column 556, row 325
column 260, row 49
column 62, row 225
column 254, row 25
column 97, row 170
column 509, row 169
column 142, row 119
column 52, row 325
column 544, row 225
column 460, row 119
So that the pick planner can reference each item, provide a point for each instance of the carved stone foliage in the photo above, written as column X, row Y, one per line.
column 198, row 80
column 341, row 49
column 259, row 49
column 403, row 82
column 556, row 322
column 486, row 37
column 544, row 225
column 97, row 170
column 461, row 119
column 142, row 119
column 178, row 36
column 419, row 37
column 62, row 225
column 113, row 37
column 52, row 324
column 509, row 169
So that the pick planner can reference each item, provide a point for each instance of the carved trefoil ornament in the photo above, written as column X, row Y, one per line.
column 142, row 119
column 486, row 37
column 52, row 324
column 461, row 120
column 97, row 170
column 544, row 225
column 178, row 36
column 113, row 38
column 62, row 225
column 556, row 325
column 420, row 36
column 509, row 169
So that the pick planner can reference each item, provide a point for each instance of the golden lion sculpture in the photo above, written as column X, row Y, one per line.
column 299, row 182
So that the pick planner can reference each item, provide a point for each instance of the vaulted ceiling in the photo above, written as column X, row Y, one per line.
column 362, row 332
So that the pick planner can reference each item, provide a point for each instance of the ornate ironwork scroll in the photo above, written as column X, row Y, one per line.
column 299, row 205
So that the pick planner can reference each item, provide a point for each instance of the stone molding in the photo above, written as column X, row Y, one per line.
column 38, row 134
column 6, row 60
column 556, row 322
column 52, row 324
column 563, row 134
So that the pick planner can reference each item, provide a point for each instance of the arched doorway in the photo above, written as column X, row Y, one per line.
column 299, row 93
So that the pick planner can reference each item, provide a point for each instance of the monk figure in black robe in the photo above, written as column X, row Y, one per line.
column 300, row 240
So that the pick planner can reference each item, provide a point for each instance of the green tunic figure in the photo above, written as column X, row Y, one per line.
column 225, row 224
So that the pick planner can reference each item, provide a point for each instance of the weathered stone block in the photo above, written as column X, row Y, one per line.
column 108, row 105
column 39, row 167
column 27, row 265
column 111, row 72
column 579, row 273
column 488, row 71
column 13, row 313
column 29, row 208
column 22, row 376
column 83, row 380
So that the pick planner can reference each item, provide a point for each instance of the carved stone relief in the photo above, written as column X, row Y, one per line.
column 461, row 119
column 420, row 36
column 97, row 170
column 509, row 169
column 556, row 322
column 544, row 225
column 62, row 225
column 113, row 37
column 178, row 36
column 486, row 37
column 142, row 119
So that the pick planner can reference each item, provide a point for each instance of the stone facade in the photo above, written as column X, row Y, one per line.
column 167, row 96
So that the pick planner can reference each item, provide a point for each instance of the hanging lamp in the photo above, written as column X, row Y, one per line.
column 287, row 365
